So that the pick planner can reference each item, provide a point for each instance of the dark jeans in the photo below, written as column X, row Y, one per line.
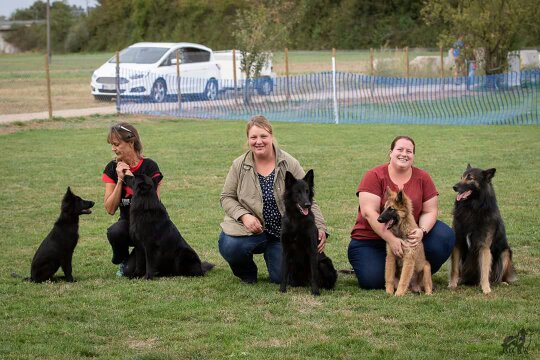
column 367, row 257
column 238, row 252
column 118, row 236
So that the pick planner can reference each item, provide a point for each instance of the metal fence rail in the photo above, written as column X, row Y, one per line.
column 510, row 98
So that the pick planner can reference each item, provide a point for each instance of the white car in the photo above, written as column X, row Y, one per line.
column 148, row 69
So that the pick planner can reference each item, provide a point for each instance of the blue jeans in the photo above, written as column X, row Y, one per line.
column 238, row 252
column 367, row 257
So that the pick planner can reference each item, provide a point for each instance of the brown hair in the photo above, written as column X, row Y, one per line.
column 127, row 133
column 393, row 144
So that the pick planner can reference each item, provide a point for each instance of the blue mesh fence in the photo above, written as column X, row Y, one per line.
column 510, row 98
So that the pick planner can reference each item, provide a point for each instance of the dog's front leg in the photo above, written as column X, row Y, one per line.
column 150, row 262
column 284, row 273
column 409, row 258
column 67, row 269
column 485, row 268
column 314, row 264
column 389, row 270
column 140, row 261
column 454, row 271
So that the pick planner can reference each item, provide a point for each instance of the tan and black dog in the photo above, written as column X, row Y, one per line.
column 415, row 269
column 481, row 254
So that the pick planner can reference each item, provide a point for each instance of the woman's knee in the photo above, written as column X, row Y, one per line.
column 118, row 232
column 231, row 247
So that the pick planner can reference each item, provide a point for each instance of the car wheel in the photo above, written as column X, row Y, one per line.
column 211, row 90
column 266, row 86
column 159, row 91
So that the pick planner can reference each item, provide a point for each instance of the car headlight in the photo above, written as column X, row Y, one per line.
column 94, row 76
column 137, row 76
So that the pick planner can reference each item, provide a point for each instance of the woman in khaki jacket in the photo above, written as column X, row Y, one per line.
column 252, row 198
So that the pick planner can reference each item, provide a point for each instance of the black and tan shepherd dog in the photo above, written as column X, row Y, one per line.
column 302, row 264
column 56, row 250
column 160, row 249
column 481, row 254
column 413, row 270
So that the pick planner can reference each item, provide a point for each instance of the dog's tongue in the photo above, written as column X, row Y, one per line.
column 463, row 195
column 303, row 210
column 389, row 224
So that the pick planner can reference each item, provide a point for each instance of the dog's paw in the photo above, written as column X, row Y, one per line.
column 452, row 285
column 390, row 289
column 486, row 291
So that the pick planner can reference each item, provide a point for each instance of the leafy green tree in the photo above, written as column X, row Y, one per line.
column 495, row 26
column 258, row 31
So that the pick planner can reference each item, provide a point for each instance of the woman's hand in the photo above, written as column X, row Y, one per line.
column 322, row 241
column 121, row 169
column 396, row 245
column 414, row 237
column 251, row 223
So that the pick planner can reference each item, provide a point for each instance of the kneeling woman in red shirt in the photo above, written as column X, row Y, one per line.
column 367, row 249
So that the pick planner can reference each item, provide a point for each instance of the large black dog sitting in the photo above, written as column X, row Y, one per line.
column 481, row 254
column 302, row 264
column 56, row 250
column 160, row 249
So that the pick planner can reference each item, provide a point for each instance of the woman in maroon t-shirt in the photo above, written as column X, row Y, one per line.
column 367, row 249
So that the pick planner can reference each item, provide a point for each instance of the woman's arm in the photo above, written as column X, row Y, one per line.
column 369, row 208
column 112, row 196
column 428, row 217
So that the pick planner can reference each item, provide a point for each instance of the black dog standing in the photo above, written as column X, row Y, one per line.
column 160, row 249
column 481, row 254
column 301, row 263
column 57, row 248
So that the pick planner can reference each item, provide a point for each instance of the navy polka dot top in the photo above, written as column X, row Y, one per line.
column 271, row 215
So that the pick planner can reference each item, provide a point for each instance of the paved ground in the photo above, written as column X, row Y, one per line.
column 59, row 113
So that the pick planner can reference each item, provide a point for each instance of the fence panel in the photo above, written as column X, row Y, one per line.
column 510, row 98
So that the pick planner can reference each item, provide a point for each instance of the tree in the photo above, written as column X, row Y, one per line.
column 258, row 31
column 494, row 26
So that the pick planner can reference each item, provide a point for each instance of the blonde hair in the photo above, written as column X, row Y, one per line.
column 261, row 122
column 127, row 133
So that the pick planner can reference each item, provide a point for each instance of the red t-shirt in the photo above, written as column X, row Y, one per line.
column 420, row 188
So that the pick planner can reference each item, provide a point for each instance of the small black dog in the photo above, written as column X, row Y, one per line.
column 481, row 254
column 160, row 249
column 56, row 250
column 302, row 263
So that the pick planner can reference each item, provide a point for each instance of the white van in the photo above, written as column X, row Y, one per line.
column 148, row 69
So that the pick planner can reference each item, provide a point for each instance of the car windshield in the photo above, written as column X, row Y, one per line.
column 140, row 55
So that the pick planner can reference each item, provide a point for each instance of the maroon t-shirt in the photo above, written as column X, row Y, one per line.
column 420, row 188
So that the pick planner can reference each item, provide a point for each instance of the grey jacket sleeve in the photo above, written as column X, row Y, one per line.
column 229, row 196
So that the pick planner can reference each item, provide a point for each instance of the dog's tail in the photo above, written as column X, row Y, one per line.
column 206, row 266
column 17, row 276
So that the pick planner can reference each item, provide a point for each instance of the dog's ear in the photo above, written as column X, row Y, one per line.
column 157, row 179
column 129, row 180
column 289, row 179
column 68, row 191
column 489, row 174
column 469, row 167
column 309, row 178
column 399, row 197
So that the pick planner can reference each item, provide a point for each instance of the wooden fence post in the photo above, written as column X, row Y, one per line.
column 287, row 73
column 48, row 77
column 234, row 76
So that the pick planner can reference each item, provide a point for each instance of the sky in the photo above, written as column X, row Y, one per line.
column 7, row 7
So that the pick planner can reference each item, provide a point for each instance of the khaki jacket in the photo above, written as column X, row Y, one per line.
column 242, row 192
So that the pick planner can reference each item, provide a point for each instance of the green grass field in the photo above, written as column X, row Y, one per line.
column 217, row 317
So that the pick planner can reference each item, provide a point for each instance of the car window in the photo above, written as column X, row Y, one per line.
column 194, row 55
column 140, row 55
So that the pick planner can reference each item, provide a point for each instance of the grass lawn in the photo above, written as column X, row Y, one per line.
column 217, row 317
